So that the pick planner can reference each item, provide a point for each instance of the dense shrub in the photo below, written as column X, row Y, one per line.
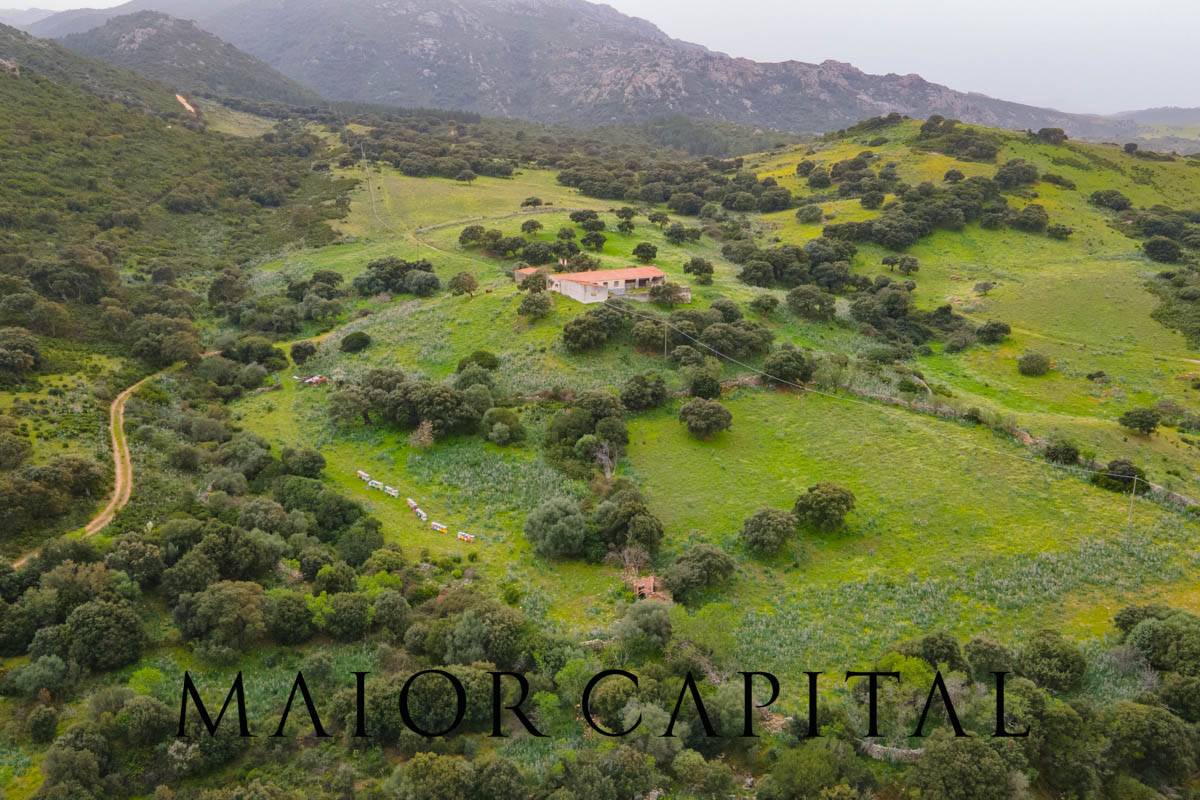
column 1015, row 173
column 705, row 418
column 766, row 530
column 536, row 305
column 1141, row 420
column 1032, row 218
column 1110, row 199
column 1150, row 742
column 395, row 275
column 557, row 529
column 809, row 214
column 950, row 137
column 985, row 656
column 1051, row 661
column 787, row 366
column 355, row 342
column 303, row 351
column 287, row 618
column 1058, row 180
column 1062, row 451
column 104, row 635
column 645, row 252
column 643, row 391
column 1160, row 248
column 1033, row 364
column 697, row 568
column 1121, row 475
column 824, row 506
column 41, row 724
column 701, row 268
column 960, row 769
column 645, row 628
column 502, row 426
column 764, row 304
column 993, row 332
column 811, row 303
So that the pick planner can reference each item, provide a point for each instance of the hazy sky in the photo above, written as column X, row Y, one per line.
column 1075, row 55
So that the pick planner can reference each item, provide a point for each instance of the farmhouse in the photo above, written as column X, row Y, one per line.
column 596, row 286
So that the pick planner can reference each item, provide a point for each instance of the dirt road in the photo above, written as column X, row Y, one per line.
column 122, row 463
column 122, row 466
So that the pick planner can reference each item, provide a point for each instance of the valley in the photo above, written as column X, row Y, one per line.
column 915, row 395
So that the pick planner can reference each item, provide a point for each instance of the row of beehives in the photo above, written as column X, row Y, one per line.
column 392, row 491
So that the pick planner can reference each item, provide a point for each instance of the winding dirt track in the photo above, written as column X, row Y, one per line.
column 122, row 463
column 122, row 466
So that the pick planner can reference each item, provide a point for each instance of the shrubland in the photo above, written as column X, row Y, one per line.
column 862, row 442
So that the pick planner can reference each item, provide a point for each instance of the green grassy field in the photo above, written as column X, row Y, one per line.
column 956, row 526
column 1082, row 302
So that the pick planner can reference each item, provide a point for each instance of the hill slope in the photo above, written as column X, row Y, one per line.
column 282, row 558
column 107, row 181
column 24, row 53
column 181, row 55
column 79, row 20
column 968, row 527
column 493, row 56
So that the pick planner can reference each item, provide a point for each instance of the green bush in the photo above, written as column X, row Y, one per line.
column 557, row 529
column 824, row 506
column 766, row 530
column 697, row 568
column 1122, row 475
column 1062, row 451
column 1051, row 661
column 1033, row 364
column 705, row 418
column 1141, row 420
column 355, row 342
column 41, row 724
column 1162, row 249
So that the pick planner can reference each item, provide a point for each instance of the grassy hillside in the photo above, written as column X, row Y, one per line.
column 958, row 526
column 1086, row 302
column 1095, row 285
column 250, row 541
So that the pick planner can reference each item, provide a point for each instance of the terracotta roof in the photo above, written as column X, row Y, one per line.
column 525, row 271
column 596, row 276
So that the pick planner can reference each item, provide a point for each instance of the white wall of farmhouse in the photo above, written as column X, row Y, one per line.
column 582, row 292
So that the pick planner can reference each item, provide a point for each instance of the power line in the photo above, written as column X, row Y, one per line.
column 811, row 390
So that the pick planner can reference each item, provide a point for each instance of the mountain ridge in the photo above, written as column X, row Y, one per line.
column 21, row 52
column 22, row 18
column 569, row 61
column 179, row 54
